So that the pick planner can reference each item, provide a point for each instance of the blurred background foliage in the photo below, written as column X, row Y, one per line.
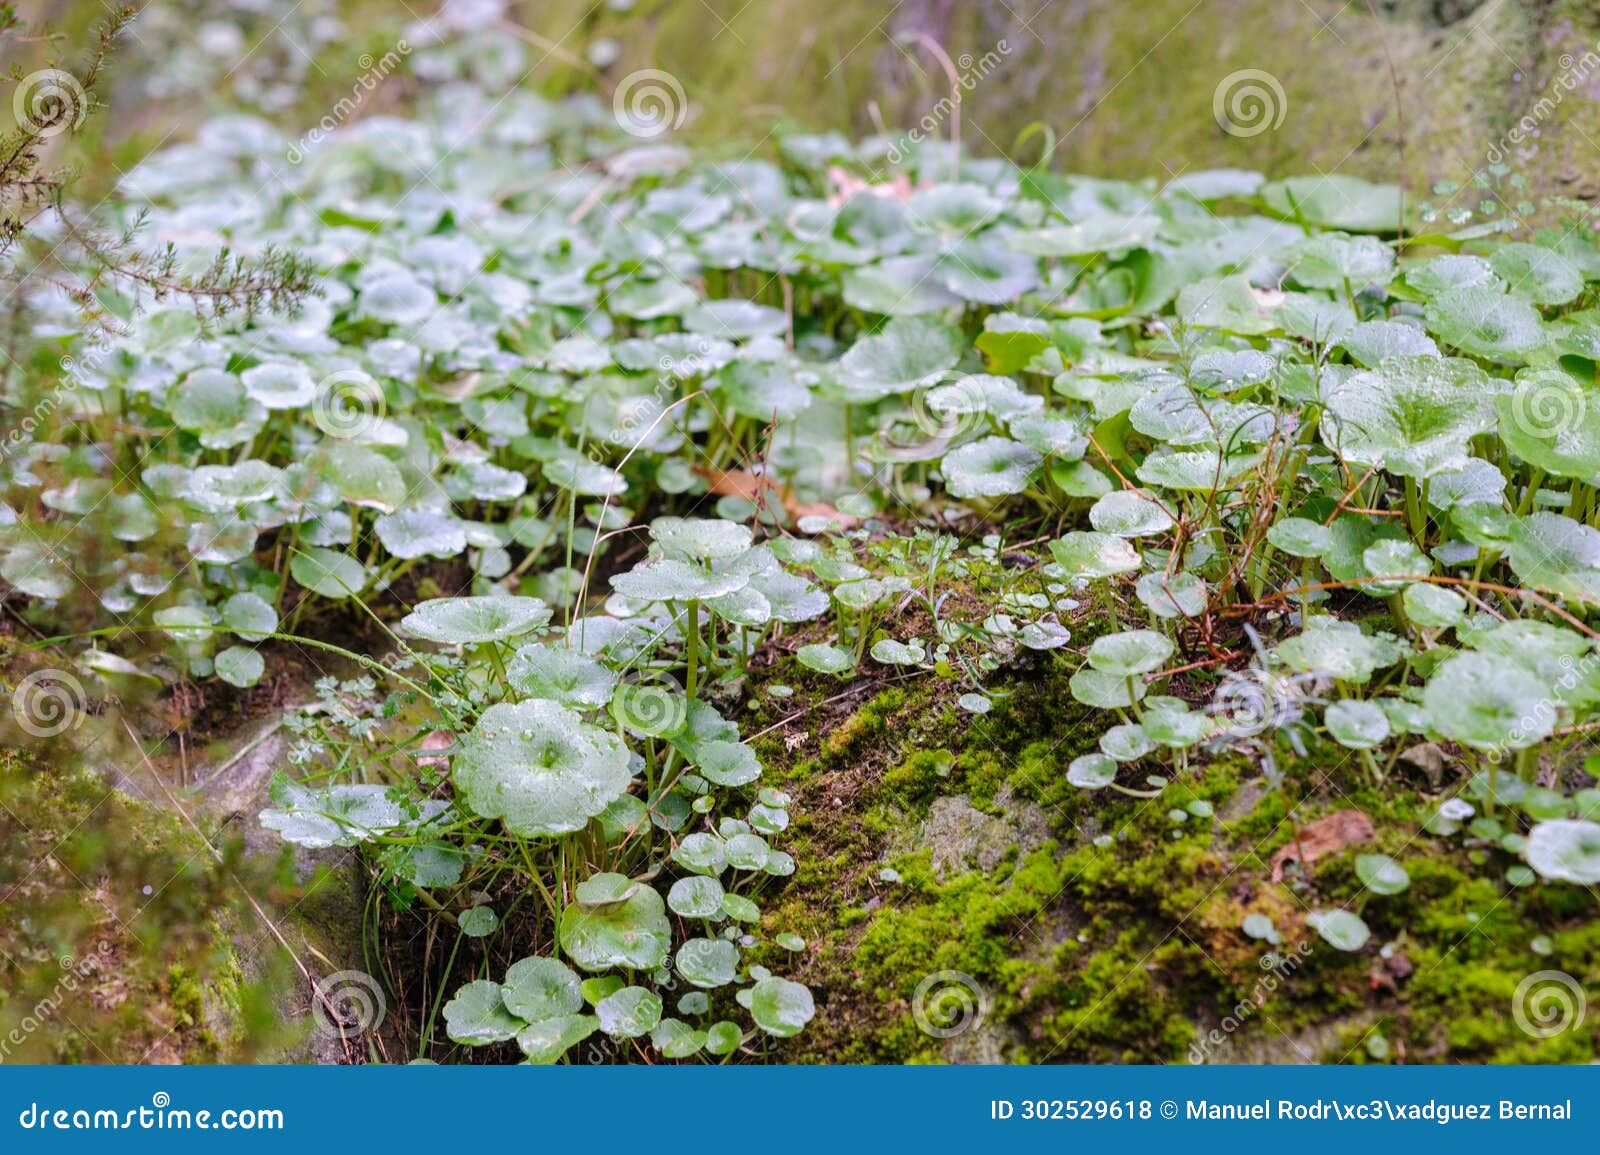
column 1129, row 89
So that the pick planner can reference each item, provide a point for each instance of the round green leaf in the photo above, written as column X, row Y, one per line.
column 1536, row 273
column 478, row 922
column 541, row 988
column 539, row 767
column 1486, row 323
column 545, row 1041
column 780, row 1007
column 634, row 934
column 676, row 1040
column 723, row 1037
column 328, row 572
column 1340, row 929
column 708, row 962
column 1488, row 704
column 1092, row 771
column 696, row 897
column 249, row 616
column 825, row 659
column 562, row 675
column 1381, row 874
column 240, row 666
column 990, row 467
column 1131, row 652
column 475, row 620
column 1566, row 850
column 478, row 1017
column 1105, row 691
column 631, row 1012
column 1094, row 555
column 1356, row 725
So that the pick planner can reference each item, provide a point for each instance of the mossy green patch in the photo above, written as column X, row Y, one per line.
column 1120, row 939
column 114, row 928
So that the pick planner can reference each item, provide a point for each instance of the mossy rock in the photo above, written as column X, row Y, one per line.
column 1114, row 933
column 134, row 910
column 117, row 929
column 1122, row 83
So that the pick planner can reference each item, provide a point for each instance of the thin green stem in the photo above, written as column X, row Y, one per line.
column 692, row 654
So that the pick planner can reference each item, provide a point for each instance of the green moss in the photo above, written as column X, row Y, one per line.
column 113, row 945
column 1131, row 949
column 1466, row 74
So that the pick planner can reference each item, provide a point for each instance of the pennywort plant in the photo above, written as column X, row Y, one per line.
column 622, row 815
column 1320, row 483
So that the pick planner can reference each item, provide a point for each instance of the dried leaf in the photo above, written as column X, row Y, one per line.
column 1325, row 836
column 753, row 487
column 739, row 483
column 430, row 749
column 846, row 184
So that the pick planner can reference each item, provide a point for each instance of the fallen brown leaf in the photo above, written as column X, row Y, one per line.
column 737, row 483
column 430, row 749
column 846, row 184
column 1330, row 833
column 754, row 488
